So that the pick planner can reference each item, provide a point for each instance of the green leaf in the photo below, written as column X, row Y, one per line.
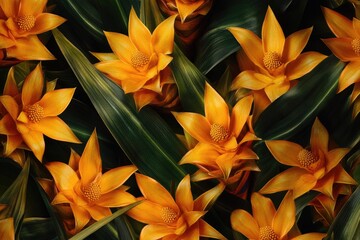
column 144, row 148
column 218, row 43
column 37, row 228
column 296, row 109
column 97, row 225
column 347, row 223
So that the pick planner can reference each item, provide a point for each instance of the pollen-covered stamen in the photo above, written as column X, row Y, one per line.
column 218, row 133
column 306, row 158
column 168, row 215
column 139, row 59
column 272, row 60
column 92, row 192
column 25, row 22
column 267, row 233
column 34, row 112
column 355, row 43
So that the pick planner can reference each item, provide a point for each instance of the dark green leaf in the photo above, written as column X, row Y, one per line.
column 37, row 228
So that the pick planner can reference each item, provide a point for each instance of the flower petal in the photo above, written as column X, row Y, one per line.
column 338, row 24
column 310, row 236
column 10, row 8
column 34, row 140
column 341, row 48
column 12, row 142
column 105, row 56
column 139, row 34
column 55, row 102
column 205, row 230
column 46, row 22
column 195, row 124
column 7, row 230
column 285, row 152
column 64, row 176
column 162, row 38
column 11, row 87
column 284, row 218
column 33, row 7
column 304, row 183
column 11, row 106
column 251, row 80
column 273, row 38
column 82, row 217
column 325, row 185
column 334, row 157
column 60, row 198
column 319, row 138
column 263, row 209
column 303, row 64
column 250, row 43
column 187, row 8
column 90, row 161
column 205, row 200
column 115, row 177
column 274, row 91
column 183, row 195
column 116, row 198
column 349, row 75
column 240, row 113
column 98, row 212
column 150, row 232
column 121, row 45
column 341, row 176
column 202, row 153
column 295, row 43
column 33, row 86
column 147, row 212
column 245, row 224
column 216, row 109
column 29, row 48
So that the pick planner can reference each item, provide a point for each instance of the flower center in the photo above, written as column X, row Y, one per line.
column 34, row 112
column 92, row 192
column 272, row 60
column 218, row 133
column 168, row 215
column 267, row 233
column 25, row 22
column 355, row 43
column 139, row 59
column 309, row 160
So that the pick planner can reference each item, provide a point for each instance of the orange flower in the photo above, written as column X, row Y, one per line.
column 173, row 219
column 21, row 22
column 316, row 168
column 278, row 60
column 89, row 192
column 140, row 61
column 268, row 223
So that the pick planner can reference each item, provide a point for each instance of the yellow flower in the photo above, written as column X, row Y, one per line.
column 173, row 219
column 89, row 192
column 267, row 222
column 7, row 230
column 140, row 61
column 346, row 45
column 278, row 60
column 21, row 22
column 316, row 168
column 29, row 115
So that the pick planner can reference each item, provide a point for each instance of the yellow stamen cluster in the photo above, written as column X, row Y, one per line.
column 92, row 192
column 306, row 158
column 139, row 59
column 272, row 60
column 267, row 233
column 168, row 215
column 218, row 133
column 25, row 22
column 34, row 112
column 355, row 43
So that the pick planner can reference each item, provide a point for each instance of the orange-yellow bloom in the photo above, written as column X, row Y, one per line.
column 20, row 23
column 278, row 60
column 89, row 192
column 315, row 168
column 268, row 223
column 173, row 219
column 30, row 115
column 140, row 61
column 7, row 230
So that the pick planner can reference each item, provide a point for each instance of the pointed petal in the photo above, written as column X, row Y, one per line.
column 349, row 75
column 121, row 45
column 187, row 8
column 240, row 113
column 82, row 217
column 10, row 8
column 356, row 26
column 29, row 48
column 272, row 35
column 295, row 43
column 144, row 97
column 64, row 176
column 341, row 176
column 195, row 124
column 225, row 163
column 116, row 198
column 183, row 196
column 245, row 224
column 251, row 80
column 163, row 62
column 319, row 138
column 105, row 56
column 147, row 212
column 303, row 64
column 60, row 198
column 283, row 181
column 10, row 105
column 304, row 183
column 33, row 7
column 74, row 160
column 338, row 24
column 154, row 192
column 263, row 209
column 162, row 38
column 55, row 128
column 334, row 157
column 7, row 230
column 205, row 230
column 33, row 86
column 98, row 212
column 12, row 142
column 35, row 141
column 139, row 34
column 274, row 91
column 341, row 48
column 284, row 218
column 325, row 185
column 310, row 236
column 150, row 232
column 115, row 177
column 90, row 161
column 216, row 109
column 202, row 153
column 205, row 200
column 55, row 102
column 285, row 152
column 46, row 22
column 192, row 217
column 250, row 43
column 11, row 87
